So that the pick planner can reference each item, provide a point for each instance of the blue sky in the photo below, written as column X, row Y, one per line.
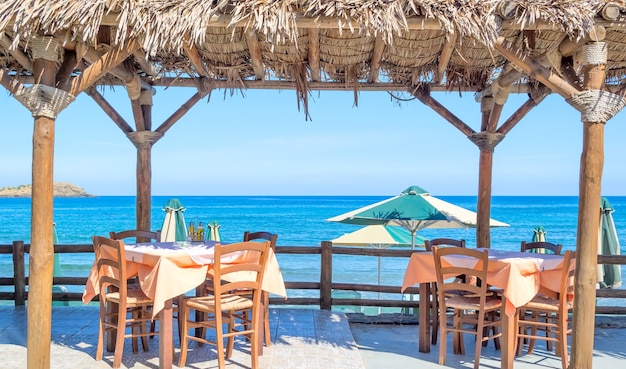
column 260, row 144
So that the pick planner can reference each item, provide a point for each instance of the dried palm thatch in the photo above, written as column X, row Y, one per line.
column 350, row 42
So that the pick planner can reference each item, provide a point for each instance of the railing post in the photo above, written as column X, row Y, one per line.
column 326, row 276
column 19, row 274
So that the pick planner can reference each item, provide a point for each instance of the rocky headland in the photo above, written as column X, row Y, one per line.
column 61, row 189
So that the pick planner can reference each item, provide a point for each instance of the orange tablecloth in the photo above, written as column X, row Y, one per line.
column 165, row 270
column 520, row 275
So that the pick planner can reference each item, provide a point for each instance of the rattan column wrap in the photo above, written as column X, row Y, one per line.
column 596, row 106
column 45, row 47
column 486, row 141
column 44, row 101
column 500, row 93
column 134, row 88
column 144, row 139
column 145, row 97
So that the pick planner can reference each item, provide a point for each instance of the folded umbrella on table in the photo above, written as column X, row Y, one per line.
column 174, row 227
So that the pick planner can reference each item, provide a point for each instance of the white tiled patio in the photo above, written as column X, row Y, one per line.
column 302, row 338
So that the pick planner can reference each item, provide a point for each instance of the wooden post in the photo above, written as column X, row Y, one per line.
column 19, row 273
column 144, row 187
column 591, row 166
column 144, row 167
column 485, row 173
column 326, row 276
column 41, row 257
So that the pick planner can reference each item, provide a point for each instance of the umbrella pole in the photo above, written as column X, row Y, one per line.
column 379, row 263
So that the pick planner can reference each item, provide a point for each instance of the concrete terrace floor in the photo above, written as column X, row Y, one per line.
column 301, row 338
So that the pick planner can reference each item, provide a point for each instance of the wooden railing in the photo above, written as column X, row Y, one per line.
column 323, row 298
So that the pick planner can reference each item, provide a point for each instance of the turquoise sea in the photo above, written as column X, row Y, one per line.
column 299, row 221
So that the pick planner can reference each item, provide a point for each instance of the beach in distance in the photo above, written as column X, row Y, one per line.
column 299, row 221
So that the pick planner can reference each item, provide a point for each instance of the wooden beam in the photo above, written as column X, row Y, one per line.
column 521, row 112
column 195, row 58
column 18, row 54
column 109, row 110
column 179, row 113
column 12, row 84
column 426, row 99
column 289, row 85
column 322, row 22
column 142, row 59
column 377, row 57
column 138, row 115
column 66, row 69
column 445, row 56
column 255, row 54
column 534, row 69
column 314, row 53
column 569, row 47
column 101, row 67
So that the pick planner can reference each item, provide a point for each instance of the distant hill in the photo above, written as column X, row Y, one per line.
column 61, row 189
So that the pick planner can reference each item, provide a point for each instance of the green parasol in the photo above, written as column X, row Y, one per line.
column 174, row 227
column 609, row 275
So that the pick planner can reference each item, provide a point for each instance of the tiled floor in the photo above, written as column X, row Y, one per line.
column 302, row 338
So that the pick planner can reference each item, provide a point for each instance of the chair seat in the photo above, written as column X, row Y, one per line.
column 133, row 297
column 229, row 302
column 545, row 303
column 469, row 303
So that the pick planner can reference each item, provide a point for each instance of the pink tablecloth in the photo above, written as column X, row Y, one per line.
column 166, row 270
column 520, row 275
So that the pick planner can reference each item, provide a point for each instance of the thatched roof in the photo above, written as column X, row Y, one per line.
column 351, row 43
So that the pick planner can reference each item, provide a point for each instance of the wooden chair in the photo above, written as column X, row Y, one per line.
column 544, row 248
column 138, row 235
column 264, row 236
column 541, row 247
column 114, row 289
column 225, row 303
column 554, row 310
column 428, row 244
column 470, row 302
column 245, row 316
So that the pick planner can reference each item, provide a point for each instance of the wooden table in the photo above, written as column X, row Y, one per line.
column 166, row 270
column 519, row 275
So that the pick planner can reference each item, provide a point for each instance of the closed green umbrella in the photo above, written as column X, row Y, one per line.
column 174, row 227
column 414, row 209
column 56, row 269
column 214, row 231
column 609, row 275
column 539, row 234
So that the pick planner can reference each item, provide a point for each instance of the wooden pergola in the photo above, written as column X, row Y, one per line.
column 51, row 51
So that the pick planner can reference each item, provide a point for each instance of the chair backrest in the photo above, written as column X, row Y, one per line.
column 138, row 235
column 443, row 242
column 240, row 266
column 111, row 265
column 475, row 272
column 566, row 290
column 541, row 247
column 267, row 236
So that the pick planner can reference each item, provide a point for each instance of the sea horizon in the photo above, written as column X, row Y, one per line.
column 298, row 221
